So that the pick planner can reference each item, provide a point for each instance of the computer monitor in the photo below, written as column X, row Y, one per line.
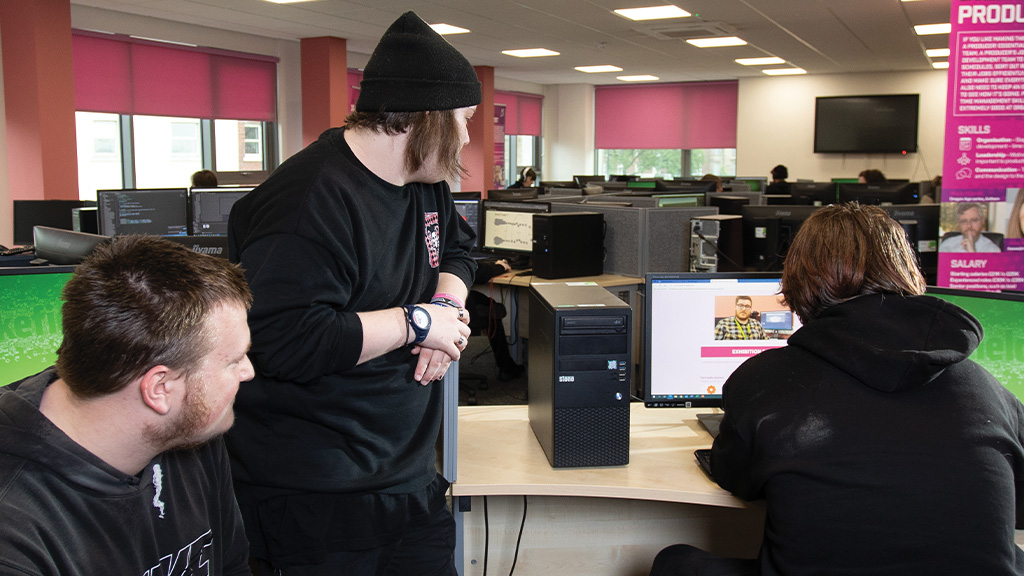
column 757, row 184
column 513, row 194
column 665, row 200
column 582, row 180
column 879, row 194
column 767, row 233
column 58, row 246
column 921, row 223
column 727, row 203
column 999, row 314
column 210, row 208
column 32, row 309
column 685, row 186
column 467, row 204
column 508, row 226
column 641, row 184
column 52, row 213
column 685, row 366
column 813, row 193
column 161, row 212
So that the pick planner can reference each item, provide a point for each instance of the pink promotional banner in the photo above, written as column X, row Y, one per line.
column 981, row 245
column 499, row 147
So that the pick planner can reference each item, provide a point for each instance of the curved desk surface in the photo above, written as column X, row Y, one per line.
column 499, row 455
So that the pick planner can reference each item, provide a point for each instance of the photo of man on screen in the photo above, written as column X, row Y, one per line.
column 741, row 326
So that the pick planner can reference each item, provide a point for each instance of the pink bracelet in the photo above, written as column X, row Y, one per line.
column 443, row 297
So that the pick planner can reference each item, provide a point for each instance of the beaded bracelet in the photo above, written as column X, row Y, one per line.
column 443, row 299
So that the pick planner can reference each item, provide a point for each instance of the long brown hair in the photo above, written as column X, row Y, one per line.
column 845, row 251
column 430, row 133
column 139, row 302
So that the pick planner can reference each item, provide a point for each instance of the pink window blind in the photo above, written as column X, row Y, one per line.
column 127, row 76
column 522, row 112
column 658, row 116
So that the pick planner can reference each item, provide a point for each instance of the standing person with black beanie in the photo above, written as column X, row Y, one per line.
column 359, row 268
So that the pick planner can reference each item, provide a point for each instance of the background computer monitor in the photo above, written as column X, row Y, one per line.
column 999, row 314
column 52, row 213
column 921, row 223
column 666, row 200
column 813, row 193
column 162, row 212
column 767, row 233
column 32, row 303
column 210, row 208
column 684, row 366
column 756, row 184
column 467, row 204
column 513, row 194
column 58, row 246
column 883, row 193
column 507, row 227
column 582, row 180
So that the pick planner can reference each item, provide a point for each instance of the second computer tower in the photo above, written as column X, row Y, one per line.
column 567, row 245
column 579, row 374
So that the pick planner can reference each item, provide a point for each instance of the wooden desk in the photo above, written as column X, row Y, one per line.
column 607, row 280
column 592, row 521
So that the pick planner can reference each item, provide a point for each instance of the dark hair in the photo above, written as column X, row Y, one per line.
column 780, row 172
column 747, row 298
column 872, row 176
column 527, row 172
column 138, row 302
column 1013, row 226
column 204, row 179
column 429, row 133
column 844, row 251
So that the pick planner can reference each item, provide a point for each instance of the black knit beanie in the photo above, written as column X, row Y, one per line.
column 414, row 69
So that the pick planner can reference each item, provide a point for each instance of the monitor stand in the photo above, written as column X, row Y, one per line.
column 710, row 421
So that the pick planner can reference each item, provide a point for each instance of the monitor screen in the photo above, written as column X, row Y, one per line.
column 1000, row 349
column 52, row 213
column 210, row 208
column 162, row 212
column 813, row 193
column 879, row 194
column 508, row 226
column 866, row 124
column 469, row 209
column 31, row 315
column 695, row 333
column 756, row 184
column 767, row 233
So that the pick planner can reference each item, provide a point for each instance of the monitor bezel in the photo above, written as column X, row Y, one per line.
column 487, row 203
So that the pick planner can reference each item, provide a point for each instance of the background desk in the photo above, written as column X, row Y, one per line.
column 592, row 521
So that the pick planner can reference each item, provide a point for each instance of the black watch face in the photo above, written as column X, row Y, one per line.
column 420, row 317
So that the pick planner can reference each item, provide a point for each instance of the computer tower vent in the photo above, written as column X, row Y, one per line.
column 597, row 436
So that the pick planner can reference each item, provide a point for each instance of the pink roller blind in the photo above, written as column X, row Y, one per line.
column 127, row 76
column 674, row 116
column 522, row 112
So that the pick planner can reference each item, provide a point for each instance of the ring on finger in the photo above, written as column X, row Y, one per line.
column 461, row 341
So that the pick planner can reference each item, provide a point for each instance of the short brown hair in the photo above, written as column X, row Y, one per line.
column 429, row 132
column 138, row 302
column 844, row 251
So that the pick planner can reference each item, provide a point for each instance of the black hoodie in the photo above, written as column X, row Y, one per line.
column 63, row 511
column 878, row 446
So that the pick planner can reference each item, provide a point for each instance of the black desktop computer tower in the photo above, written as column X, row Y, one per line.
column 568, row 244
column 580, row 368
column 85, row 220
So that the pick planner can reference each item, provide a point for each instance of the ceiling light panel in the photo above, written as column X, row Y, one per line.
column 598, row 69
column 718, row 42
column 937, row 52
column 530, row 53
column 443, row 29
column 653, row 12
column 943, row 65
column 638, row 78
column 760, row 61
column 928, row 29
column 784, row 71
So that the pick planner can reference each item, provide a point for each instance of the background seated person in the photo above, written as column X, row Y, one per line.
column 713, row 178
column 879, row 448
column 112, row 462
column 778, row 185
column 970, row 217
column 204, row 179
column 485, row 317
column 526, row 178
column 741, row 326
column 871, row 176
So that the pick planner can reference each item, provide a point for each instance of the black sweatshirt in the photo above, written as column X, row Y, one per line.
column 879, row 448
column 63, row 511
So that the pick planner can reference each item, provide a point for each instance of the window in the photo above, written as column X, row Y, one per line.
column 99, row 152
column 253, row 143
column 667, row 163
column 185, row 138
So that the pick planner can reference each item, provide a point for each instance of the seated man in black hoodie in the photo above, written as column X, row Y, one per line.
column 485, row 317
column 878, row 447
column 111, row 462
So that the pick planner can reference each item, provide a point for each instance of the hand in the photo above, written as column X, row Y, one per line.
column 967, row 243
column 447, row 338
column 504, row 264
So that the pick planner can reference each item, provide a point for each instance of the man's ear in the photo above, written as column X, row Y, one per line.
column 160, row 388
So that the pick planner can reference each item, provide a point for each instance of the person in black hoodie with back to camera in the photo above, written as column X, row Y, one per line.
column 878, row 446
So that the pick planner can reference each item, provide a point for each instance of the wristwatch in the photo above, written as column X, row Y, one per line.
column 419, row 320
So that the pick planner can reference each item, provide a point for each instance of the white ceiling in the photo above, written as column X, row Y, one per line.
column 820, row 36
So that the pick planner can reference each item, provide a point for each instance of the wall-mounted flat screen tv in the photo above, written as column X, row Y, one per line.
column 866, row 124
